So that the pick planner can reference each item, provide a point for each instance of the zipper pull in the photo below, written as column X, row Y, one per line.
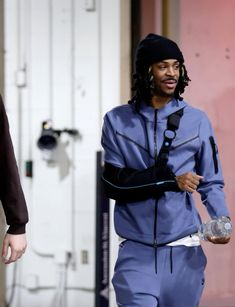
column 155, row 243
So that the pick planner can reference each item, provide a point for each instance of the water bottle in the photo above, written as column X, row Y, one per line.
column 217, row 228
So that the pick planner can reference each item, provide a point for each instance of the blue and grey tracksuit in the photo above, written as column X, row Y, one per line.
column 132, row 140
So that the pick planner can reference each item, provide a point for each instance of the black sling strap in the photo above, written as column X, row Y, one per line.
column 169, row 135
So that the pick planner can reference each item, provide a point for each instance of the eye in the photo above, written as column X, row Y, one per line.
column 162, row 67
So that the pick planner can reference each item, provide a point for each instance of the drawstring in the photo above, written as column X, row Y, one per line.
column 171, row 259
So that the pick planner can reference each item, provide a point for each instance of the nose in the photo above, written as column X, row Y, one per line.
column 170, row 71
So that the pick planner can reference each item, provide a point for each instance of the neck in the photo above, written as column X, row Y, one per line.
column 159, row 102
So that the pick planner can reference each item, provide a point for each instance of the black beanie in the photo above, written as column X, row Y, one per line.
column 155, row 48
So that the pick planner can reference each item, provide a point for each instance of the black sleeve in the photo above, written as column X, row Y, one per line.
column 127, row 184
column 11, row 193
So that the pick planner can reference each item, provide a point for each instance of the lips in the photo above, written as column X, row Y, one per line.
column 170, row 83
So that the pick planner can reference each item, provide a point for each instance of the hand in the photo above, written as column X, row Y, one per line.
column 188, row 181
column 17, row 245
column 216, row 240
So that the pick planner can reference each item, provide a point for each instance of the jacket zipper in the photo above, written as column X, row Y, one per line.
column 155, row 136
column 155, row 156
column 155, row 224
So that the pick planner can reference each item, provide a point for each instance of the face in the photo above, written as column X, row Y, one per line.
column 166, row 75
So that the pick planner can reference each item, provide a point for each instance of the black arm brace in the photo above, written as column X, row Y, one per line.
column 127, row 184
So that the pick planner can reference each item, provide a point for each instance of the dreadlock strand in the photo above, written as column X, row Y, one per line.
column 182, row 83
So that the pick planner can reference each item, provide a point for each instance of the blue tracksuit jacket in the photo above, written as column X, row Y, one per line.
column 132, row 139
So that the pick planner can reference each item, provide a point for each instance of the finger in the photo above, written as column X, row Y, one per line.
column 187, row 185
column 192, row 186
column 222, row 240
column 190, row 190
column 198, row 177
column 13, row 257
column 4, row 249
column 195, row 181
column 217, row 240
column 190, row 183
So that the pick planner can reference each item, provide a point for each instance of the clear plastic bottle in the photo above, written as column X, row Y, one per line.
column 218, row 228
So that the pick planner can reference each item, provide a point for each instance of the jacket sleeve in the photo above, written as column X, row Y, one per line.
column 112, row 152
column 128, row 184
column 11, row 193
column 209, row 166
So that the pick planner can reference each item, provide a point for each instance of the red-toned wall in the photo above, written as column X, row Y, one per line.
column 205, row 33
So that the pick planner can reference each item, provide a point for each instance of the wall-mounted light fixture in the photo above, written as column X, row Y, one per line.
column 49, row 137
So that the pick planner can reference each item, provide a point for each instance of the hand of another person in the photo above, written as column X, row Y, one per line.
column 188, row 181
column 215, row 240
column 13, row 247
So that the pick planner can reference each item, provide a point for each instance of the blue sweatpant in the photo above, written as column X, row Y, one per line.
column 166, row 276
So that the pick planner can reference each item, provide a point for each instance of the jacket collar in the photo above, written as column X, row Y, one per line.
column 171, row 107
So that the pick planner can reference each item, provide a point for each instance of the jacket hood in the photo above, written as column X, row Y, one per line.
column 171, row 107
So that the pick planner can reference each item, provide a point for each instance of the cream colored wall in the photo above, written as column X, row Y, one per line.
column 73, row 84
column 1, row 48
column 2, row 271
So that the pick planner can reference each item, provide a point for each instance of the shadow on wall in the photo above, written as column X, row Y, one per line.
column 54, row 149
column 61, row 159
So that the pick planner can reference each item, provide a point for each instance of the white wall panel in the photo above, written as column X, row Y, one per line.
column 70, row 59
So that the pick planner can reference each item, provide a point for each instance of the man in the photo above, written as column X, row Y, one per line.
column 11, row 195
column 158, row 151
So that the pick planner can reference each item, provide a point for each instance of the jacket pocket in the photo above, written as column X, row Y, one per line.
column 186, row 141
column 214, row 153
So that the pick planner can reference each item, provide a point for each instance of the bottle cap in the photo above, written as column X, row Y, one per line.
column 227, row 226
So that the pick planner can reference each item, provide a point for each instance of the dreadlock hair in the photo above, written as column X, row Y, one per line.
column 143, row 85
column 182, row 83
